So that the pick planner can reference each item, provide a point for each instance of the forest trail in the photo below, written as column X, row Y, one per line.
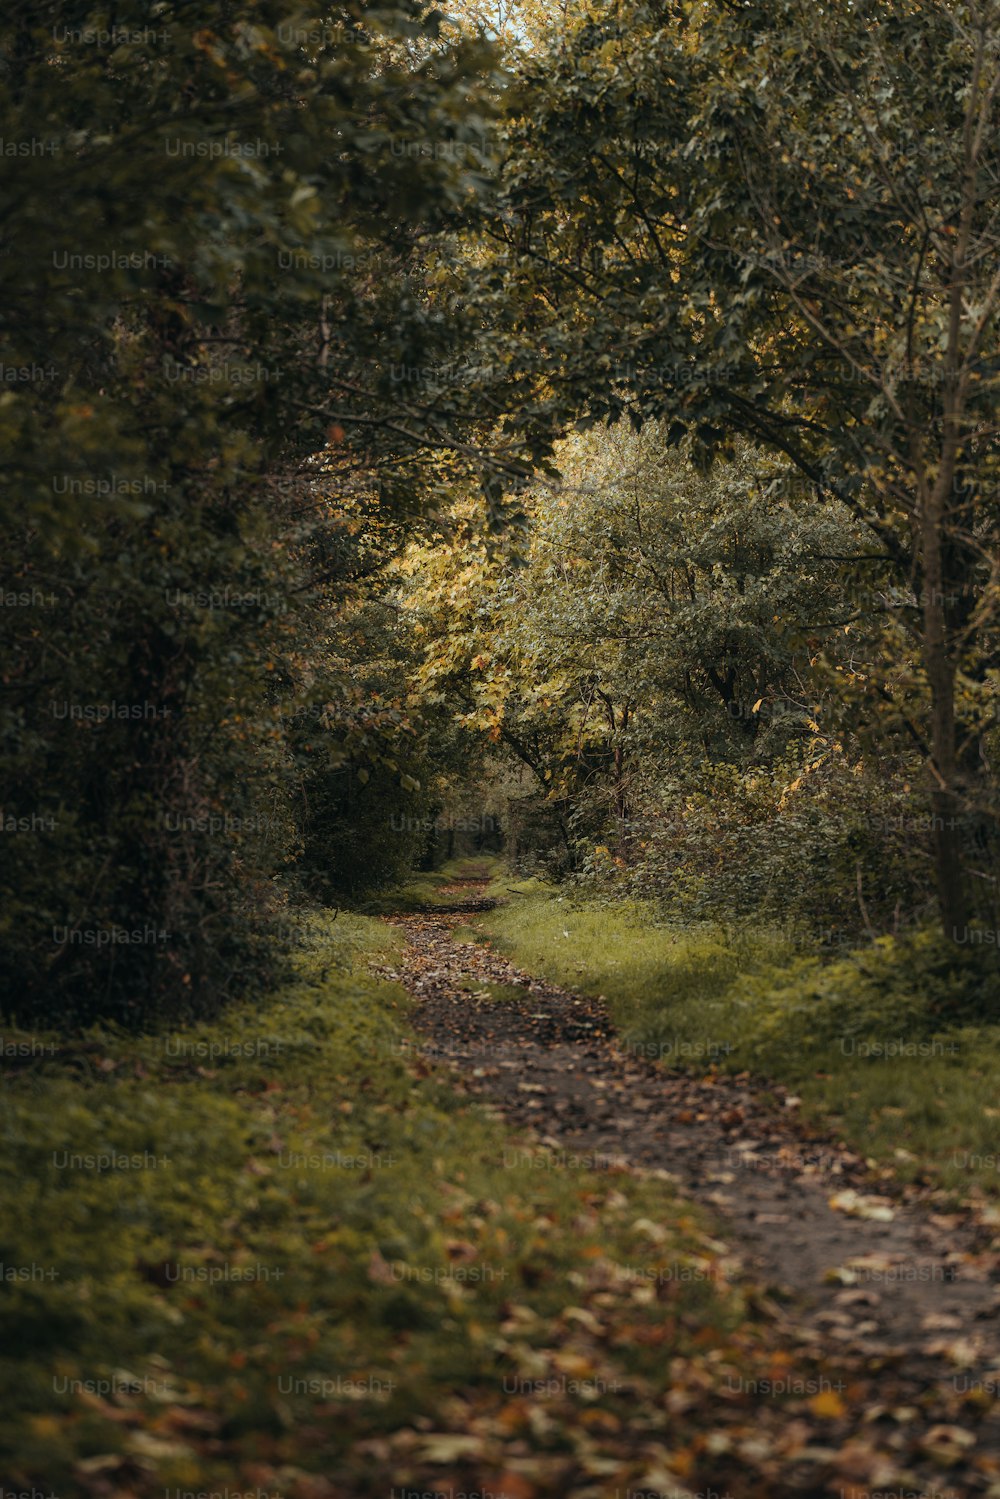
column 905, row 1296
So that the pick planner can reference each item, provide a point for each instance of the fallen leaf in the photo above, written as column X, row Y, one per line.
column 827, row 1405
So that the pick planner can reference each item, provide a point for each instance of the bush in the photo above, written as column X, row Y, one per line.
column 799, row 839
column 895, row 990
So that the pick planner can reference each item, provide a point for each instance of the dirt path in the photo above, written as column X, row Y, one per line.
column 889, row 1284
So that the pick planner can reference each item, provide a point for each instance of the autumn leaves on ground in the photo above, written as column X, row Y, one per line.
column 427, row 1223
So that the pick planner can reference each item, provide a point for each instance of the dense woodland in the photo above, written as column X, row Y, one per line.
column 596, row 408
column 558, row 436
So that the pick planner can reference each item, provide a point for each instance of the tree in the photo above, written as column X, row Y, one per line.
column 211, row 243
column 655, row 634
column 781, row 222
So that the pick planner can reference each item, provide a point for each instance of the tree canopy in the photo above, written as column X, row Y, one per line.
column 598, row 407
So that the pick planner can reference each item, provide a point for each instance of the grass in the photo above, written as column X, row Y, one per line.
column 278, row 1246
column 889, row 1046
column 430, row 890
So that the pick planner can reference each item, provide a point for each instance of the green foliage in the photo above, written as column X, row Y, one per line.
column 188, row 518
column 664, row 663
column 915, row 987
column 758, row 220
column 649, row 608
column 807, row 836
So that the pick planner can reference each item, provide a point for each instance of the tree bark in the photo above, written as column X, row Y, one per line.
column 946, row 802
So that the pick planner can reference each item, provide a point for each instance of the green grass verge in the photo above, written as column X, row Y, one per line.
column 889, row 1045
column 279, row 1246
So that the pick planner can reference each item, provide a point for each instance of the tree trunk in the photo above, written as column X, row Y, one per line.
column 946, row 803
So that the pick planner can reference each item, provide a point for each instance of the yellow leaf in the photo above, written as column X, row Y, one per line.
column 828, row 1405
